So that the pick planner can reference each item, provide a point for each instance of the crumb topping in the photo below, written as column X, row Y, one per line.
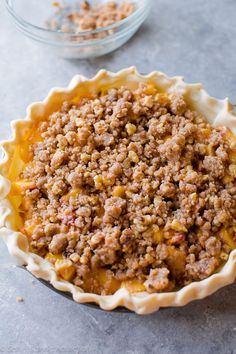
column 90, row 16
column 131, row 186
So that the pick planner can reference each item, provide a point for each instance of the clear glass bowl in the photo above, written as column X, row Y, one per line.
column 30, row 17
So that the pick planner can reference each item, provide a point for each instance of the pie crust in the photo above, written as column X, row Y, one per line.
column 217, row 112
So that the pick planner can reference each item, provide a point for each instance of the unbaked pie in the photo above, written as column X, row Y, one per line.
column 121, row 190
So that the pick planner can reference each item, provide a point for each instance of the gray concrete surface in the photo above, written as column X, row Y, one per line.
column 196, row 39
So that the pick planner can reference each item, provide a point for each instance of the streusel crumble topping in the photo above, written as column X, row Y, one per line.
column 90, row 16
column 131, row 188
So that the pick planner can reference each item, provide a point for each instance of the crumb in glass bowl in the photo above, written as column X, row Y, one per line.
column 89, row 16
column 79, row 29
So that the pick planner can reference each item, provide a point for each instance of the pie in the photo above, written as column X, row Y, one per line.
column 121, row 190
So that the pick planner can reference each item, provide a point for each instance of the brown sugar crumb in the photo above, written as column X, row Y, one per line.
column 157, row 280
column 131, row 185
column 91, row 16
column 56, row 4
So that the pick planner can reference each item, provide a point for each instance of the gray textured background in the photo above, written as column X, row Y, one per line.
column 193, row 38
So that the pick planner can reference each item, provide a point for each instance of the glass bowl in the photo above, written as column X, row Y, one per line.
column 31, row 18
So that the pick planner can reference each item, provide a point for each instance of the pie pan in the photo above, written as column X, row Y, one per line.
column 217, row 112
column 68, row 296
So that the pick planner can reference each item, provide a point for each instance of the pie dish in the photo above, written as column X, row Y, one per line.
column 140, row 215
